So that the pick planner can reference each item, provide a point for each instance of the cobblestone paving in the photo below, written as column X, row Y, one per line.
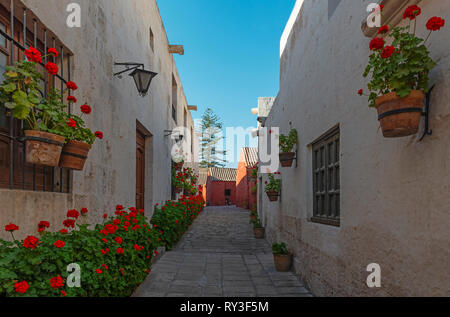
column 219, row 257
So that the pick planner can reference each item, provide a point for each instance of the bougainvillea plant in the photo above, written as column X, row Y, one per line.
column 402, row 62
column 273, row 185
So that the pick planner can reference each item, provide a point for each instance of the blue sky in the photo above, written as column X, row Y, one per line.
column 231, row 52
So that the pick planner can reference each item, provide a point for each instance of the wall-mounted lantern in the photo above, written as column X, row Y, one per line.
column 142, row 78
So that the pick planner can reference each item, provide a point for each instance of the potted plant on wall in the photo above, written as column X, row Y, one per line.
column 273, row 187
column 178, row 181
column 178, row 160
column 287, row 143
column 400, row 75
column 282, row 257
column 254, row 173
column 43, row 126
column 258, row 229
column 79, row 138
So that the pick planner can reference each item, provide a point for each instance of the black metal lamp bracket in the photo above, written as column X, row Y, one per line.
column 426, row 114
column 129, row 67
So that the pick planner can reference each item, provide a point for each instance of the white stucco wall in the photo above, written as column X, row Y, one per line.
column 112, row 31
column 395, row 198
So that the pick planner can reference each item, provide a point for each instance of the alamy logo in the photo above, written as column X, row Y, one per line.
column 374, row 278
column 74, row 278
column 74, row 17
column 374, row 18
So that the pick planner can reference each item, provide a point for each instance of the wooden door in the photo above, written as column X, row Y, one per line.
column 140, row 170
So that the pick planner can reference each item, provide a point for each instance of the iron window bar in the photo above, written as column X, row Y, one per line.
column 13, row 139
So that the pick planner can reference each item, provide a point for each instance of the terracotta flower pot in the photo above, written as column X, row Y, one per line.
column 400, row 117
column 43, row 148
column 259, row 233
column 74, row 155
column 273, row 195
column 283, row 263
column 287, row 159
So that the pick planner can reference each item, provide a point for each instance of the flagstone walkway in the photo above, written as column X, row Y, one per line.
column 219, row 257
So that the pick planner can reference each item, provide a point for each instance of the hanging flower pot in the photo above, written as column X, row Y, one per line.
column 399, row 67
column 74, row 155
column 400, row 117
column 43, row 148
column 272, row 195
column 287, row 159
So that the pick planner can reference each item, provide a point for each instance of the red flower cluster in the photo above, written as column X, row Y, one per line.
column 73, row 213
column 138, row 247
column 120, row 251
column 71, row 85
column 21, row 287
column 11, row 227
column 43, row 225
column 59, row 244
column 30, row 242
column 387, row 51
column 412, row 12
column 33, row 55
column 99, row 135
column 384, row 29
column 435, row 23
column 84, row 211
column 71, row 123
column 64, row 231
column 69, row 223
column 376, row 44
column 86, row 109
column 72, row 99
column 51, row 68
column 119, row 240
column 360, row 92
column 56, row 282
column 53, row 51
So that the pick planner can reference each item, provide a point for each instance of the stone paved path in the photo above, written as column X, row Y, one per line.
column 219, row 257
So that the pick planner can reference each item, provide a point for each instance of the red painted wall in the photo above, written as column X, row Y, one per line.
column 215, row 193
column 244, row 197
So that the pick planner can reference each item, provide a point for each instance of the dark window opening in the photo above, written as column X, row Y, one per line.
column 227, row 192
column 326, row 178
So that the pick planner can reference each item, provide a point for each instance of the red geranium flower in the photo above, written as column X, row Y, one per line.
column 63, row 293
column 69, row 223
column 11, row 227
column 99, row 271
column 52, row 68
column 59, row 244
column 360, row 92
column 44, row 224
column 64, row 231
column 435, row 23
column 412, row 12
column 104, row 252
column 21, row 287
column 72, row 99
column 120, row 251
column 56, row 282
column 53, row 51
column 71, row 85
column 73, row 214
column 71, row 123
column 117, row 221
column 30, row 242
column 84, row 211
column 86, row 109
column 33, row 55
column 118, row 240
column 105, row 216
column 99, row 135
column 383, row 29
column 105, row 266
column 119, row 207
column 104, row 240
column 387, row 51
column 376, row 44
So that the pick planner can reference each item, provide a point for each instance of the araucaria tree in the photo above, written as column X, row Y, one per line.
column 211, row 154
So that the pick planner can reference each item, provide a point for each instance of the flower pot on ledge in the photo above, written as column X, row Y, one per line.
column 283, row 263
column 273, row 195
column 74, row 155
column 43, row 148
column 259, row 233
column 400, row 117
column 287, row 159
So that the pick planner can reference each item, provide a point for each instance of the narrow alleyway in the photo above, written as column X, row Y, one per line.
column 217, row 257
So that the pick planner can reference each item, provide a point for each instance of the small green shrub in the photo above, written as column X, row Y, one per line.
column 280, row 249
